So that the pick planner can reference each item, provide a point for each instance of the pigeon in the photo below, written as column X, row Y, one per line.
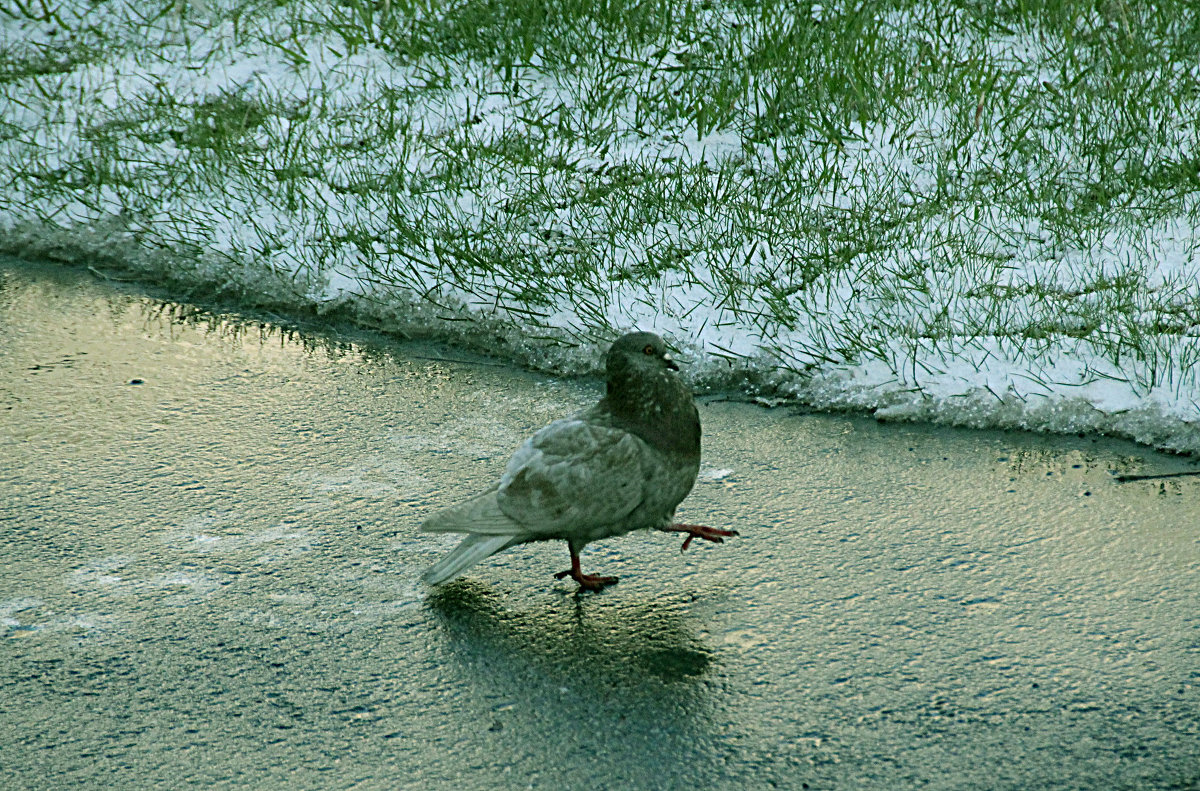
column 621, row 465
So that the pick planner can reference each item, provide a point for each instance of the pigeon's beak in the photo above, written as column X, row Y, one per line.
column 670, row 362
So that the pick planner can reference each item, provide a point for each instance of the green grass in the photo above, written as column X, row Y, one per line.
column 947, row 178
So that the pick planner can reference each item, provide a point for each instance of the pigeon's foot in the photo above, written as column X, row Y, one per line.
column 712, row 534
column 587, row 582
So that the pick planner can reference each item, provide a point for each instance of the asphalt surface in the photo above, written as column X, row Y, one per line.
column 210, row 579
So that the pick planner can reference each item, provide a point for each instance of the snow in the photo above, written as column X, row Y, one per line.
column 938, row 349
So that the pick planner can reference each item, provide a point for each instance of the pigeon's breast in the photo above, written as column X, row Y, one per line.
column 669, row 478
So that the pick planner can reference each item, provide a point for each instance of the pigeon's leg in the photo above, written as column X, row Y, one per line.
column 698, row 531
column 589, row 582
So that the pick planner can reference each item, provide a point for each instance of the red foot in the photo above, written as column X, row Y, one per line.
column 587, row 582
column 699, row 531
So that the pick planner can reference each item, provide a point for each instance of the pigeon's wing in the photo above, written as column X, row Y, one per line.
column 573, row 475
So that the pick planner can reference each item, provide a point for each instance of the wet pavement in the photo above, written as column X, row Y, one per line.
column 208, row 528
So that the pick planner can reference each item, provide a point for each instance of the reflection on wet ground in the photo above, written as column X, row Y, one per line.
column 208, row 527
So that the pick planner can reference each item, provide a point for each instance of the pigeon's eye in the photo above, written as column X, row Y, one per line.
column 648, row 350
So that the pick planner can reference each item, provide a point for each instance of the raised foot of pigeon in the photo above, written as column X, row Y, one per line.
column 712, row 534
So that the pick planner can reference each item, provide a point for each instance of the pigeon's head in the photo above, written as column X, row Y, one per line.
column 645, row 395
column 639, row 354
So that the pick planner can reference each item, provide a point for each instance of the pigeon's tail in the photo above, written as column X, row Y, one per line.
column 480, row 515
column 473, row 549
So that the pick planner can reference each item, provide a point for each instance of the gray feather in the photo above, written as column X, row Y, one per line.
column 480, row 515
column 473, row 549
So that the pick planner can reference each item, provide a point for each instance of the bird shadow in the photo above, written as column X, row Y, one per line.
column 634, row 645
column 624, row 682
